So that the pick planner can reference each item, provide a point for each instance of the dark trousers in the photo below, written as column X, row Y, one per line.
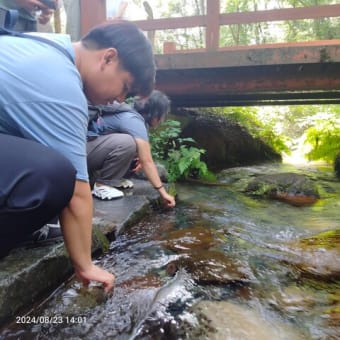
column 36, row 183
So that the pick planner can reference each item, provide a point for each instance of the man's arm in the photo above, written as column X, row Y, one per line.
column 150, row 170
column 76, row 222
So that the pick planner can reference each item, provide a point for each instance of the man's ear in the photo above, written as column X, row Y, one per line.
column 110, row 55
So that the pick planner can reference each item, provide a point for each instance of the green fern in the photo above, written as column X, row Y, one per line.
column 324, row 139
column 181, row 159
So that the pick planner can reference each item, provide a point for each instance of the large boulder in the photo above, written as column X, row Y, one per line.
column 227, row 144
column 295, row 189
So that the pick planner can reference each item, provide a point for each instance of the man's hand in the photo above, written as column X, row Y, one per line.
column 32, row 5
column 76, row 224
column 95, row 273
column 45, row 16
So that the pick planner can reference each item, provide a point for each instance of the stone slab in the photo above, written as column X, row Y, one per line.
column 26, row 275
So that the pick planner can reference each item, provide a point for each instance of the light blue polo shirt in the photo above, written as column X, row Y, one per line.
column 129, row 122
column 41, row 97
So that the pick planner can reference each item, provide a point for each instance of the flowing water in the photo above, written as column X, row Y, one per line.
column 166, row 288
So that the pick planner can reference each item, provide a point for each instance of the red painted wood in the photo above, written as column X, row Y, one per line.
column 284, row 73
column 213, row 27
column 93, row 12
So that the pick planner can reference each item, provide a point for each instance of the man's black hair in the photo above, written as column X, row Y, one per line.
column 134, row 51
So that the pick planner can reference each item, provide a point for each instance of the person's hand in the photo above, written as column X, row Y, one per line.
column 95, row 273
column 169, row 200
column 45, row 16
column 138, row 166
column 32, row 5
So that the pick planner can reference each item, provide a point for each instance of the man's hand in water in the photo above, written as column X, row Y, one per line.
column 97, row 274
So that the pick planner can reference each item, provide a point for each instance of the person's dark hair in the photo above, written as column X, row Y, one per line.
column 157, row 105
column 134, row 50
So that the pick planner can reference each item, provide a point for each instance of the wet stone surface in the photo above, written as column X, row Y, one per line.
column 317, row 255
column 212, row 267
column 249, row 275
column 28, row 274
column 189, row 239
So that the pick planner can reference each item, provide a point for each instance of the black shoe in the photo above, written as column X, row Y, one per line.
column 48, row 234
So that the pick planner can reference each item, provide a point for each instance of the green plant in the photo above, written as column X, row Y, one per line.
column 324, row 139
column 181, row 159
column 185, row 162
column 165, row 139
column 256, row 126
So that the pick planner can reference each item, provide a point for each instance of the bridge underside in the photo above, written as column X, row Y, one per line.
column 283, row 75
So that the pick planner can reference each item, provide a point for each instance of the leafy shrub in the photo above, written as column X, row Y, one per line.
column 178, row 155
column 248, row 117
column 324, row 139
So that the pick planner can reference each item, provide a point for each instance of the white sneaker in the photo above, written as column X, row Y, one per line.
column 125, row 183
column 105, row 192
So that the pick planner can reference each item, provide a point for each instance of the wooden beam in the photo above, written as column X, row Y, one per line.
column 313, row 52
column 172, row 23
column 312, row 12
column 289, row 74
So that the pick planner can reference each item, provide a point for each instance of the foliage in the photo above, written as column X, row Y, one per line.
column 271, row 32
column 100, row 240
column 181, row 159
column 164, row 139
column 291, row 120
column 324, row 138
column 249, row 118
column 243, row 34
column 185, row 162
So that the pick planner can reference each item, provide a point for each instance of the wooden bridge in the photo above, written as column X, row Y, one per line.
column 271, row 74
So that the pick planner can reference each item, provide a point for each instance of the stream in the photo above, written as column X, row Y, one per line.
column 221, row 265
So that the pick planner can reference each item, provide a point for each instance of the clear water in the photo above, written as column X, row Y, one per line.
column 149, row 303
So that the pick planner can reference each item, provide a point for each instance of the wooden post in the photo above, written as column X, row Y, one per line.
column 169, row 47
column 57, row 21
column 213, row 25
column 92, row 13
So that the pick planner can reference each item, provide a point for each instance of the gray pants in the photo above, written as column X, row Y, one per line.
column 109, row 157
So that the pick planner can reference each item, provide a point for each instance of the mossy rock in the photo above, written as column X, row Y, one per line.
column 328, row 239
column 99, row 240
column 292, row 188
column 317, row 255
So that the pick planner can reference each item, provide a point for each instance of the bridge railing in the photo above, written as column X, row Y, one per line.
column 93, row 12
